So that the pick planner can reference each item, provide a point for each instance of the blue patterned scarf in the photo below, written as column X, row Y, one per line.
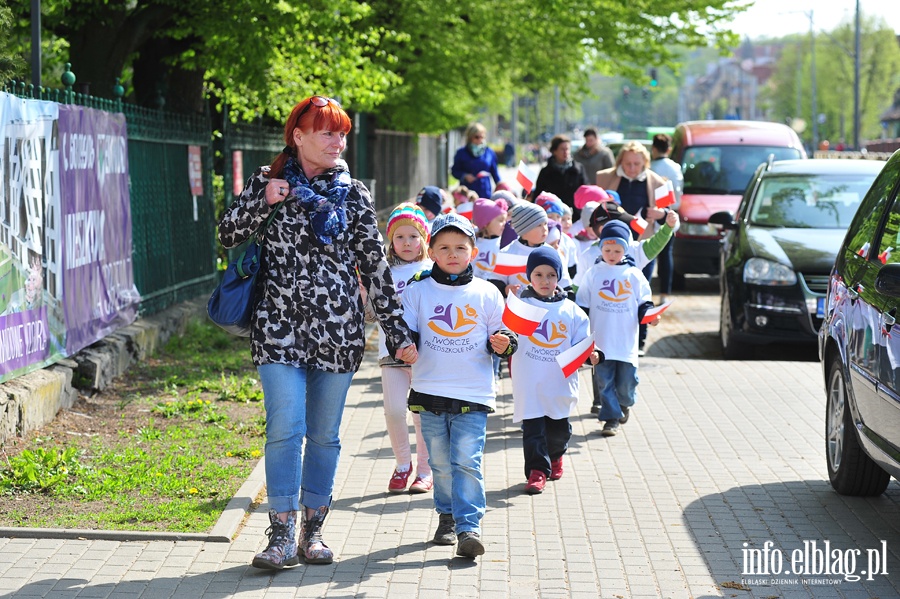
column 323, row 199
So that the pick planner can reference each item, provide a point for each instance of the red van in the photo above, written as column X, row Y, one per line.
column 718, row 158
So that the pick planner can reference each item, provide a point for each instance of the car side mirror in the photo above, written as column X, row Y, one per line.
column 888, row 280
column 723, row 219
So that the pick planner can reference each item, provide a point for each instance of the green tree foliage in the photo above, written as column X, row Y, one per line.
column 879, row 77
column 423, row 65
column 10, row 64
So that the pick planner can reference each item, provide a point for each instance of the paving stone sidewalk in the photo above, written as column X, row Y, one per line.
column 716, row 455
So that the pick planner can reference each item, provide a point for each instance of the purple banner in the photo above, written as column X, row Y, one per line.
column 98, row 281
column 24, row 339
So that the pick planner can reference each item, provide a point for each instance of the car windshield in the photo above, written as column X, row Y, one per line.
column 809, row 201
column 726, row 170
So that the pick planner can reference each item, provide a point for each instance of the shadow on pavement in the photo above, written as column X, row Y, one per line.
column 729, row 527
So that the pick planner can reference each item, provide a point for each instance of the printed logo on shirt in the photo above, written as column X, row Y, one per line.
column 453, row 322
column 486, row 261
column 400, row 286
column 549, row 334
column 614, row 290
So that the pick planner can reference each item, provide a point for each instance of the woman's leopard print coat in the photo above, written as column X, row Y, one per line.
column 309, row 310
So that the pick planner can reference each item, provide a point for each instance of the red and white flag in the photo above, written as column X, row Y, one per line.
column 465, row 209
column 526, row 177
column 510, row 264
column 521, row 317
column 571, row 359
column 652, row 313
column 665, row 195
column 639, row 225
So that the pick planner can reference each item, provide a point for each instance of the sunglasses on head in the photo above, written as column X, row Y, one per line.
column 320, row 101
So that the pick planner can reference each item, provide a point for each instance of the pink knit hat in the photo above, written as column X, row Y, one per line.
column 407, row 213
column 487, row 210
column 590, row 193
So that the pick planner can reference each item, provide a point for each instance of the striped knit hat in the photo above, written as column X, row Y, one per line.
column 525, row 216
column 408, row 214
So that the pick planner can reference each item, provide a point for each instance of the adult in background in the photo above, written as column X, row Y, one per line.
column 562, row 175
column 307, row 331
column 593, row 155
column 635, row 183
column 661, row 164
column 475, row 164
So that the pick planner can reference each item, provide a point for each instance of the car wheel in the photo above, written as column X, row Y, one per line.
column 851, row 471
column 731, row 348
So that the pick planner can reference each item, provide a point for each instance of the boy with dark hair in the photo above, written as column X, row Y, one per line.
column 457, row 319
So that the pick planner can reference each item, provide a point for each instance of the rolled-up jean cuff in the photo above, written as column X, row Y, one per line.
column 314, row 501
column 284, row 504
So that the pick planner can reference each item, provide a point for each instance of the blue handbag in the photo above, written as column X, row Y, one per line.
column 232, row 303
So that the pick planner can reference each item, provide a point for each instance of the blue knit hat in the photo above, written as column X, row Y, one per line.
column 543, row 255
column 431, row 199
column 617, row 231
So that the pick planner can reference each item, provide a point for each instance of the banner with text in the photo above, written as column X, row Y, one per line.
column 66, row 276
column 98, row 278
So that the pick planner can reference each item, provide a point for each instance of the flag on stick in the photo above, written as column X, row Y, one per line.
column 526, row 177
column 465, row 209
column 665, row 195
column 571, row 359
column 510, row 264
column 652, row 313
column 639, row 225
column 521, row 317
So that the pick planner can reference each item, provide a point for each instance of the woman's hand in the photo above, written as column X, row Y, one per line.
column 277, row 191
column 595, row 357
column 408, row 354
column 654, row 213
column 499, row 342
column 469, row 178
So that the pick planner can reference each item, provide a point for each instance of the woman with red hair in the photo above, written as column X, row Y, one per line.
column 307, row 331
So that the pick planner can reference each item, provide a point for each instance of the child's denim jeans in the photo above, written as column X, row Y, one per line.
column 617, row 382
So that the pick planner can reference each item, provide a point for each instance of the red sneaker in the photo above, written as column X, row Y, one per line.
column 536, row 482
column 422, row 484
column 398, row 480
column 556, row 469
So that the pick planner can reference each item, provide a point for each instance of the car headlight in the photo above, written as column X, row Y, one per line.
column 759, row 271
column 698, row 230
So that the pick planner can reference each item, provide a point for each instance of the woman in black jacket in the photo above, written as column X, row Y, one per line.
column 562, row 175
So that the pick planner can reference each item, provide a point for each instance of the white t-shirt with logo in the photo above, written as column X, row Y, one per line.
column 612, row 295
column 539, row 387
column 592, row 253
column 454, row 323
column 401, row 273
column 483, row 266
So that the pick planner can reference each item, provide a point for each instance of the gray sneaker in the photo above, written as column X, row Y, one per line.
column 470, row 545
column 446, row 530
column 625, row 413
column 610, row 428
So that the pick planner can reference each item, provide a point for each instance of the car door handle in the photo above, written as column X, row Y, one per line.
column 888, row 320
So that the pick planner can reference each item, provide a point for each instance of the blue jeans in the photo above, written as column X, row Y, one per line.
column 618, row 387
column 302, row 403
column 455, row 448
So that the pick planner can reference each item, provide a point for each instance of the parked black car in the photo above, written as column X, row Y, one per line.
column 859, row 345
column 779, row 249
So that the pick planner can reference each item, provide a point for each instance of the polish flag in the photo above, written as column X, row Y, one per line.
column 510, row 264
column 864, row 250
column 483, row 174
column 639, row 225
column 521, row 317
column 665, row 195
column 526, row 177
column 465, row 209
column 652, row 313
column 571, row 359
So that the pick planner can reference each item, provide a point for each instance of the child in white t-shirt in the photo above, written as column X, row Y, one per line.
column 407, row 238
column 543, row 397
column 616, row 296
column 458, row 321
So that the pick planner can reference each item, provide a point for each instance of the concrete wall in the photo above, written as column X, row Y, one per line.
column 30, row 401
